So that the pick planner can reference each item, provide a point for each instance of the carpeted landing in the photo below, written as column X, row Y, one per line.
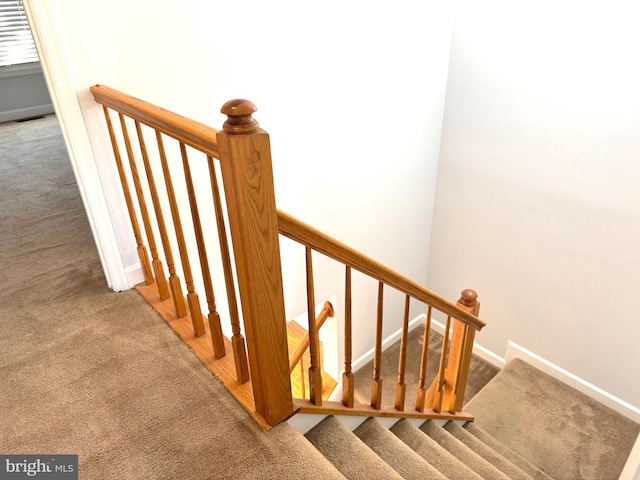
column 528, row 426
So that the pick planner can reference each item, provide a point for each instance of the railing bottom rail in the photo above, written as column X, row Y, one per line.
column 364, row 410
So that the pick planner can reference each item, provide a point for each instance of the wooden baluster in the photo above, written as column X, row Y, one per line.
column 174, row 280
column 376, row 381
column 315, row 371
column 421, row 392
column 348, row 380
column 460, row 353
column 303, row 386
column 141, row 249
column 144, row 212
column 156, row 263
column 439, row 390
column 245, row 158
column 326, row 312
column 192, row 296
column 401, row 387
column 237, row 339
column 215, row 329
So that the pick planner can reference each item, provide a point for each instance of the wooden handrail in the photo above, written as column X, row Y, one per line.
column 326, row 312
column 183, row 129
column 305, row 234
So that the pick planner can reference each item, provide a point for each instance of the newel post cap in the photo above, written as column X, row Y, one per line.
column 468, row 297
column 239, row 119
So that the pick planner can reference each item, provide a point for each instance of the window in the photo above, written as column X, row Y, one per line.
column 16, row 41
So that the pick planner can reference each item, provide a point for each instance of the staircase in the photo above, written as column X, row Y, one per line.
column 543, row 430
column 523, row 427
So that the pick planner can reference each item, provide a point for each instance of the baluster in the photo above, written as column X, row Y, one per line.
column 401, row 387
column 156, row 263
column 213, row 316
column 192, row 296
column 460, row 353
column 315, row 372
column 348, row 381
column 237, row 340
column 422, row 391
column 376, row 381
column 439, row 391
column 174, row 280
column 142, row 251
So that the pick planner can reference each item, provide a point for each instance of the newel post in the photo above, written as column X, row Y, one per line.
column 460, row 352
column 245, row 159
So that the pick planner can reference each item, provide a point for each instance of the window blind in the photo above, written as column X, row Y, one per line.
column 16, row 41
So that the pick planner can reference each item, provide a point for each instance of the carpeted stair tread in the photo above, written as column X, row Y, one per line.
column 506, row 452
column 347, row 452
column 446, row 463
column 474, row 461
column 394, row 452
column 567, row 434
column 486, row 452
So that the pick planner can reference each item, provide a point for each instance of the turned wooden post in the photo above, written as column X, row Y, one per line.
column 245, row 159
column 460, row 354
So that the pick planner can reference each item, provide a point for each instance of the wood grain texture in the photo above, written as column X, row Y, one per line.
column 248, row 184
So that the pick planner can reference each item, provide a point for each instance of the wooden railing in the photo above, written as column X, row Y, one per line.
column 446, row 392
column 183, row 153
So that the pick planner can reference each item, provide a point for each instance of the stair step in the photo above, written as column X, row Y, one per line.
column 486, row 452
column 474, row 461
column 565, row 433
column 350, row 455
column 506, row 452
column 446, row 463
column 396, row 453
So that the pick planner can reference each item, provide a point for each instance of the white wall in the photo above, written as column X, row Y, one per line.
column 537, row 203
column 352, row 94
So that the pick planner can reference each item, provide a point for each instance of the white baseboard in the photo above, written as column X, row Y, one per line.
column 26, row 112
column 134, row 275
